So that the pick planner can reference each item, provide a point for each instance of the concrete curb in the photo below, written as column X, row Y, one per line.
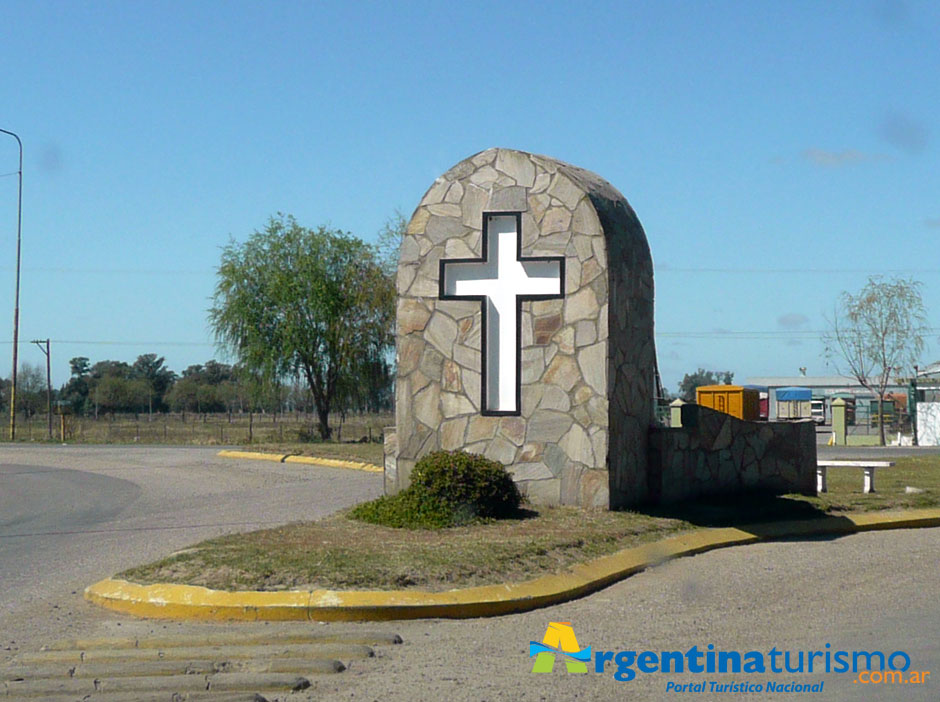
column 164, row 601
column 253, row 455
column 309, row 460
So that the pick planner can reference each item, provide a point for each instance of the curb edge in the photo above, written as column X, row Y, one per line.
column 309, row 460
column 169, row 601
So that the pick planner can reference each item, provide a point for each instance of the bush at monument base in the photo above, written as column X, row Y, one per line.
column 448, row 488
column 406, row 510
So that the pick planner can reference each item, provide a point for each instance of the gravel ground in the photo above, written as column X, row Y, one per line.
column 871, row 591
column 860, row 592
column 876, row 590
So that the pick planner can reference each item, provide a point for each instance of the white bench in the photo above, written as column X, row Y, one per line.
column 868, row 467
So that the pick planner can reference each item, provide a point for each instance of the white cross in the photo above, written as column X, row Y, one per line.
column 501, row 280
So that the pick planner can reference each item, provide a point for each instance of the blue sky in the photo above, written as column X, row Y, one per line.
column 776, row 153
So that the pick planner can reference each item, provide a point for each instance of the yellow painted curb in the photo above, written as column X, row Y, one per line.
column 309, row 460
column 254, row 455
column 335, row 463
column 164, row 601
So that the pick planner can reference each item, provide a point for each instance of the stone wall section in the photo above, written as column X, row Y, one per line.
column 390, row 451
column 632, row 352
column 714, row 453
column 558, row 447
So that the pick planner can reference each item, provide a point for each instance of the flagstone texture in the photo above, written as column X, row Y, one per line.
column 714, row 453
column 587, row 358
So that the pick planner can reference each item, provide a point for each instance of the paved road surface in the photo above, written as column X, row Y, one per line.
column 72, row 515
column 865, row 591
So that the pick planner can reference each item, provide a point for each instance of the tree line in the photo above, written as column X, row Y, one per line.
column 148, row 386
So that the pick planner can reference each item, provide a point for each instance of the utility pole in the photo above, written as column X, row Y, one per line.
column 39, row 343
column 16, row 304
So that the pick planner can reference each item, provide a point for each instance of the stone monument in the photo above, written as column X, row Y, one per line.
column 525, row 330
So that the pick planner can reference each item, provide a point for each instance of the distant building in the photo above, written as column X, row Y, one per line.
column 822, row 387
column 931, row 372
column 928, row 405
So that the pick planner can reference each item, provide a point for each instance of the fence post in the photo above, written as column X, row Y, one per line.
column 675, row 413
column 838, row 422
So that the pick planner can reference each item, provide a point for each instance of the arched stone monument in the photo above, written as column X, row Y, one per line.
column 525, row 330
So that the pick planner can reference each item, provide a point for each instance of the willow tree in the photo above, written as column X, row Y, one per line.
column 878, row 333
column 314, row 303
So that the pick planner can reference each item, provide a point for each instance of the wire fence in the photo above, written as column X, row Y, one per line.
column 205, row 429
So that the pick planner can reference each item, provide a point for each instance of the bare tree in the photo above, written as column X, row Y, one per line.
column 878, row 333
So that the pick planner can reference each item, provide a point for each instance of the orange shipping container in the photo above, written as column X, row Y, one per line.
column 743, row 403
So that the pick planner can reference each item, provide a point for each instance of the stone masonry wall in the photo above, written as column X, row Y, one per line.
column 715, row 453
column 587, row 359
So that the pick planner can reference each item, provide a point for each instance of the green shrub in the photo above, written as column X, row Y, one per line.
column 406, row 510
column 447, row 489
column 467, row 481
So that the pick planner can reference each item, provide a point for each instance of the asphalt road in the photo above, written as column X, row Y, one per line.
column 872, row 591
column 72, row 515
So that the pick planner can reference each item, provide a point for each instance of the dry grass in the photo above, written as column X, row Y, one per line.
column 339, row 553
column 845, row 487
column 344, row 554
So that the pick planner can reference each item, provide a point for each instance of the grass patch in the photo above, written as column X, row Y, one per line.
column 845, row 487
column 341, row 553
column 845, row 495
column 407, row 510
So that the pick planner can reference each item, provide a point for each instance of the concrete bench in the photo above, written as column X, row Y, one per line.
column 868, row 467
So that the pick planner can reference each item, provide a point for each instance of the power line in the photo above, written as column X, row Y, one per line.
column 795, row 271
column 114, row 271
column 691, row 334
column 755, row 334
column 127, row 343
column 662, row 268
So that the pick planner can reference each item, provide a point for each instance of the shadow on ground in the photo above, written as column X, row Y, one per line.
column 756, row 513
